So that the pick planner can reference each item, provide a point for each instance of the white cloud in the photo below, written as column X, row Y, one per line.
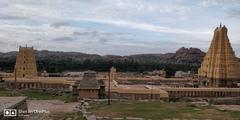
column 146, row 26
column 41, row 22
column 218, row 2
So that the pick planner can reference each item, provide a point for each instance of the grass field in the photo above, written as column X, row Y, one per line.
column 149, row 110
column 39, row 95
column 235, row 114
column 66, row 116
column 4, row 92
column 161, row 110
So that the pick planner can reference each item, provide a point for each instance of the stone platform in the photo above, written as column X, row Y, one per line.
column 12, row 103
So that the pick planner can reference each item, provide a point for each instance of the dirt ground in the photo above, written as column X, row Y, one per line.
column 228, row 107
column 54, row 106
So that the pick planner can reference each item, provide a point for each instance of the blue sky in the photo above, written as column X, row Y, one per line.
column 120, row 27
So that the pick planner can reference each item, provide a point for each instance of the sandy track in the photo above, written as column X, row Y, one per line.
column 51, row 105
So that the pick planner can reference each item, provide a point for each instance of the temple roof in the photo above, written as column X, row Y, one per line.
column 89, row 81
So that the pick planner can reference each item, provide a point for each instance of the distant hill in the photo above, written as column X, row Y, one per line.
column 52, row 61
column 181, row 56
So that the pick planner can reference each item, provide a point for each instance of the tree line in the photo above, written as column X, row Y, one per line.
column 56, row 66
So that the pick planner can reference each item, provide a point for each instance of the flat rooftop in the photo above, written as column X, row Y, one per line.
column 9, row 102
column 155, row 89
column 138, row 89
column 57, row 80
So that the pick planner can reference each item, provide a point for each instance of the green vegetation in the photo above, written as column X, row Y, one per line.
column 4, row 92
column 123, row 66
column 235, row 114
column 149, row 110
column 60, row 65
column 65, row 116
column 40, row 95
column 157, row 110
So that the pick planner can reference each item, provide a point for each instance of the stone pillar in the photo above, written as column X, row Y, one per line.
column 113, row 74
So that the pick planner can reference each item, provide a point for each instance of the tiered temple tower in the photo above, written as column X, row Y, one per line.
column 113, row 74
column 25, row 66
column 220, row 67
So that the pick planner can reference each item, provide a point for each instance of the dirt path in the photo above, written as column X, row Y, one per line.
column 228, row 107
column 53, row 106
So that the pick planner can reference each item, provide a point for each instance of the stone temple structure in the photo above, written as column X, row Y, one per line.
column 220, row 67
column 26, row 64
column 89, row 87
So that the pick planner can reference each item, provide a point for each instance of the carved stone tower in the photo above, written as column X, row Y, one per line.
column 25, row 66
column 113, row 74
column 220, row 67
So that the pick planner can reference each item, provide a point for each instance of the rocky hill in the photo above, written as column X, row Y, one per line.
column 59, row 61
column 181, row 56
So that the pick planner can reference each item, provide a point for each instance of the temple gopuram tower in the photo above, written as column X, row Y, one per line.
column 220, row 67
column 113, row 74
column 25, row 66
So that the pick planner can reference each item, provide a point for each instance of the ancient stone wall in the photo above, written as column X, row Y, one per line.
column 202, row 93
column 90, row 94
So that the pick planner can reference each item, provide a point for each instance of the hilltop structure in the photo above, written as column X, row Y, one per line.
column 26, row 64
column 220, row 67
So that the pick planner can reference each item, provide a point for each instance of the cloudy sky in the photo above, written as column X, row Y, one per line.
column 119, row 27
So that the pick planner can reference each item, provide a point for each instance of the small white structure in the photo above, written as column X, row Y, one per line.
column 73, row 74
column 161, row 73
column 6, row 75
column 182, row 74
